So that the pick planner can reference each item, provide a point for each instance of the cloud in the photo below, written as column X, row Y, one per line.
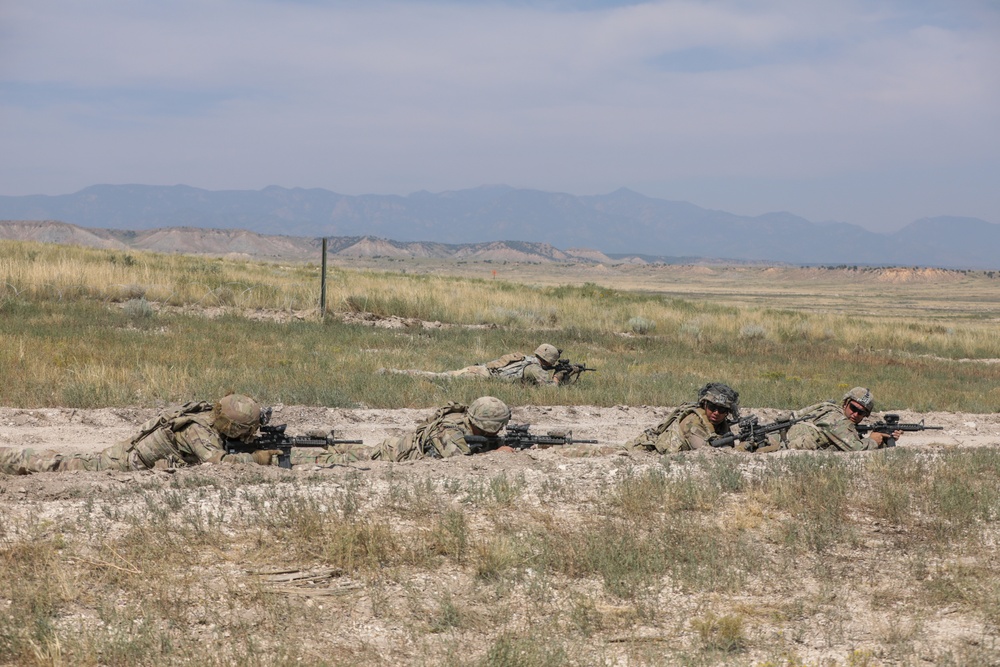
column 577, row 96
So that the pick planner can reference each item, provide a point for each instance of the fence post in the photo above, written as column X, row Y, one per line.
column 322, row 284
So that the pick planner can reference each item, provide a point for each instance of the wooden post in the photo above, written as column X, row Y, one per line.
column 322, row 284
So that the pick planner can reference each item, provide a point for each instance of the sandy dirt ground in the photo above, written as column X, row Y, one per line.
column 57, row 497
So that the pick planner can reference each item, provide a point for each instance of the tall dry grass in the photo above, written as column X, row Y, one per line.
column 86, row 327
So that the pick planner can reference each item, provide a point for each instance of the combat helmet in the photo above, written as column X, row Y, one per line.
column 236, row 416
column 722, row 395
column 862, row 396
column 548, row 353
column 489, row 414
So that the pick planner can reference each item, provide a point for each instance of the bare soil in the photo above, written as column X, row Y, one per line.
column 384, row 638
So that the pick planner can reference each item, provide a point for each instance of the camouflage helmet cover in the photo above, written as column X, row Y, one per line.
column 720, row 394
column 237, row 416
column 548, row 353
column 489, row 414
column 862, row 396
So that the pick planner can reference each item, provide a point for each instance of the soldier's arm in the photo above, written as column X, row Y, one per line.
column 449, row 440
column 845, row 438
column 206, row 444
column 535, row 374
column 563, row 378
column 695, row 433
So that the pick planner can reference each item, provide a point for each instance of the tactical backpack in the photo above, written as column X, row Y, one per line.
column 647, row 439
column 510, row 365
column 427, row 426
column 175, row 419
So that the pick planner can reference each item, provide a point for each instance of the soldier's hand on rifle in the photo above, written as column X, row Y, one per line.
column 505, row 448
column 264, row 457
column 880, row 438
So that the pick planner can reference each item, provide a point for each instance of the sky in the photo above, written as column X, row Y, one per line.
column 874, row 112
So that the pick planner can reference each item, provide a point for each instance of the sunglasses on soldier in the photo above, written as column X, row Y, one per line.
column 709, row 405
column 857, row 409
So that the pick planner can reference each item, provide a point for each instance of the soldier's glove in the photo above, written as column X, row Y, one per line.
column 263, row 457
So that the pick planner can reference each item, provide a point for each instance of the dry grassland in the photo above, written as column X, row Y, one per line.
column 534, row 559
column 89, row 328
column 936, row 293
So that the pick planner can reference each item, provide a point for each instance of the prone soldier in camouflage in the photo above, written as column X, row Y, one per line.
column 188, row 435
column 828, row 425
column 692, row 425
column 537, row 368
column 442, row 435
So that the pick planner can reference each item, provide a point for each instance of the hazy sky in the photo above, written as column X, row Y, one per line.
column 875, row 112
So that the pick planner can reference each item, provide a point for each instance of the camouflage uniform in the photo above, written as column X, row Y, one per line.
column 443, row 434
column 685, row 429
column 25, row 460
column 440, row 436
column 331, row 455
column 688, row 427
column 188, row 435
column 827, row 427
column 513, row 366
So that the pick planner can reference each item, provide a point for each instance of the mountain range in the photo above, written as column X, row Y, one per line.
column 620, row 224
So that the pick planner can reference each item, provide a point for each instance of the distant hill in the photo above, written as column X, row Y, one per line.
column 228, row 242
column 621, row 223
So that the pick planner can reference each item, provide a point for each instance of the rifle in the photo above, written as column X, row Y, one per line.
column 569, row 369
column 891, row 423
column 273, row 437
column 752, row 434
column 518, row 437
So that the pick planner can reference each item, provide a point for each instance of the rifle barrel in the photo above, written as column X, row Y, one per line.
column 560, row 441
column 864, row 428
